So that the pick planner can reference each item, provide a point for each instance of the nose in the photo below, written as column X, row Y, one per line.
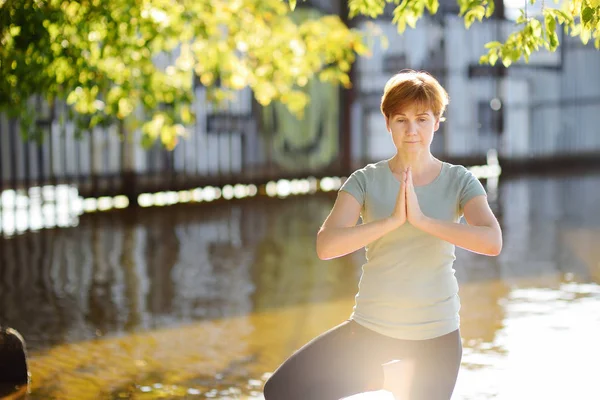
column 411, row 128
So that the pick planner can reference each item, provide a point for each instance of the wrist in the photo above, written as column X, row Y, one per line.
column 422, row 222
column 394, row 222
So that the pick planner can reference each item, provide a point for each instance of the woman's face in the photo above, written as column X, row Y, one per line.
column 412, row 129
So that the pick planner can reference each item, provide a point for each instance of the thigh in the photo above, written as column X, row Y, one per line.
column 434, row 368
column 336, row 364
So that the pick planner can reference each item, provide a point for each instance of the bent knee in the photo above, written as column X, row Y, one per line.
column 270, row 391
column 278, row 387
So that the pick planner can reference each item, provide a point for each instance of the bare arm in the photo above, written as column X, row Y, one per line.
column 482, row 234
column 340, row 235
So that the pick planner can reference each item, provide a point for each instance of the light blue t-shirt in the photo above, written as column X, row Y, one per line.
column 407, row 288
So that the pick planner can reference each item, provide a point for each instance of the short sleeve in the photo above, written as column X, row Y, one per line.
column 471, row 187
column 356, row 185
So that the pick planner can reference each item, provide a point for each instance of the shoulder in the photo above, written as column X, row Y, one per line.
column 462, row 180
column 370, row 171
column 361, row 179
column 459, row 173
column 457, row 169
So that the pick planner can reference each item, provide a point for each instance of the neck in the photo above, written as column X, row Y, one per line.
column 416, row 161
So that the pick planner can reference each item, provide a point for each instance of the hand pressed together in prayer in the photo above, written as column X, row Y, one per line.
column 481, row 234
column 414, row 215
column 407, row 204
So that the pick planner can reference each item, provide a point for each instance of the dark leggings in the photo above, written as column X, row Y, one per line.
column 348, row 359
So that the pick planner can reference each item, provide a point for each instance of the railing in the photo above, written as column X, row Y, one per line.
column 239, row 142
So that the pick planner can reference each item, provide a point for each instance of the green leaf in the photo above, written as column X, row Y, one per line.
column 587, row 14
column 490, row 8
column 14, row 30
column 493, row 45
column 553, row 39
column 433, row 6
column 585, row 35
column 369, row 8
column 550, row 23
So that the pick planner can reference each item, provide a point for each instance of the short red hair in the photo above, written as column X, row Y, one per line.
column 409, row 87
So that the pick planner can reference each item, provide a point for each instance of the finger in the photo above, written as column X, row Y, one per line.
column 407, row 188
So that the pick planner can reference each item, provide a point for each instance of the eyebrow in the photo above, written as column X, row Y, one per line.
column 404, row 115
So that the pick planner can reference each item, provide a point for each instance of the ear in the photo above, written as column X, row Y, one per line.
column 387, row 124
column 437, row 125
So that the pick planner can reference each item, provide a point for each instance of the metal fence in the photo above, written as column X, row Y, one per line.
column 237, row 142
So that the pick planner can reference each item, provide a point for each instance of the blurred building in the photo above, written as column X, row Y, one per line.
column 544, row 110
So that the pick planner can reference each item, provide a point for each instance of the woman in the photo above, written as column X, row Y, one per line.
column 407, row 303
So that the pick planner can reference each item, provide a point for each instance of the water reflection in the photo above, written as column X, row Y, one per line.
column 13, row 392
column 126, row 271
column 202, row 300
